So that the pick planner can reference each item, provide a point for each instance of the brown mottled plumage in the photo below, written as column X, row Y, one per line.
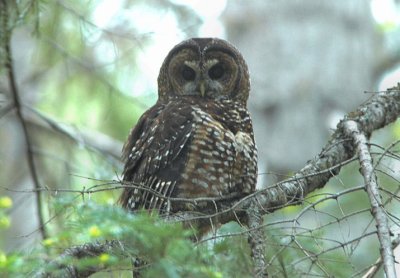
column 197, row 140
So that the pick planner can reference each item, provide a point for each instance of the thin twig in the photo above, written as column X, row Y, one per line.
column 375, row 267
column 372, row 187
column 17, row 104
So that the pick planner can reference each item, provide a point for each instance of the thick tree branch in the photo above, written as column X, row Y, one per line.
column 380, row 110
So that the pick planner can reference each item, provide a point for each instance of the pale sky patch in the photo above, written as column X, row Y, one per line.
column 385, row 11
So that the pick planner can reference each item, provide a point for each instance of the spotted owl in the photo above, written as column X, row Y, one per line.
column 197, row 140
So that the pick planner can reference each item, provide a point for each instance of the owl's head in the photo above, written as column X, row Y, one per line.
column 204, row 67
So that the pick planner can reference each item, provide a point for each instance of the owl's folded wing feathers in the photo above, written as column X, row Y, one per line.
column 153, row 154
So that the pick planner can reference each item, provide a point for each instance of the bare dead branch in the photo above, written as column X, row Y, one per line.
column 371, row 184
column 92, row 140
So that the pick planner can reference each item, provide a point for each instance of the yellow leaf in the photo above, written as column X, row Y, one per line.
column 104, row 257
column 3, row 259
column 5, row 202
column 4, row 222
column 48, row 242
column 94, row 231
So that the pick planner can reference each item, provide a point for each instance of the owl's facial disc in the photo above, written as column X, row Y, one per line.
column 209, row 68
column 212, row 74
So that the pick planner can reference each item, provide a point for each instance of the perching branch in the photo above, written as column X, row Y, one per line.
column 17, row 106
column 381, row 110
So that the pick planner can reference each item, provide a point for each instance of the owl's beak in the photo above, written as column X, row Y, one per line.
column 202, row 88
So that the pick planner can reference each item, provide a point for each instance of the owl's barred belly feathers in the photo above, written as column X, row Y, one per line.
column 197, row 141
column 215, row 164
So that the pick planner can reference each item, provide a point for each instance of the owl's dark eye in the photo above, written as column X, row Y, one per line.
column 216, row 72
column 188, row 73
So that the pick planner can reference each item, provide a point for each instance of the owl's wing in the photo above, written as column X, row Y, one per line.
column 154, row 154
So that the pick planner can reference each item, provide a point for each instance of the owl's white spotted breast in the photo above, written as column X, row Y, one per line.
column 218, row 160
